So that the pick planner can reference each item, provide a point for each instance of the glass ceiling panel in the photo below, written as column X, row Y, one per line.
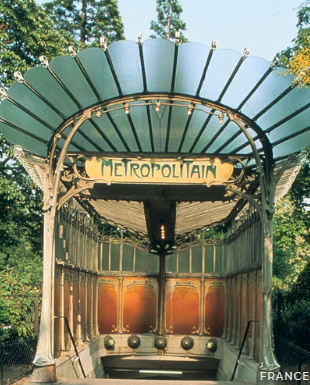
column 268, row 91
column 44, row 83
column 121, row 120
column 191, row 62
column 97, row 67
column 197, row 121
column 107, row 128
column 291, row 146
column 246, row 150
column 71, row 148
column 140, row 121
column 230, row 130
column 222, row 65
column 294, row 100
column 158, row 58
column 236, row 143
column 25, row 97
column 248, row 75
column 18, row 117
column 179, row 118
column 80, row 140
column 159, row 124
column 28, row 143
column 298, row 123
column 66, row 68
column 88, row 129
column 212, row 128
column 126, row 62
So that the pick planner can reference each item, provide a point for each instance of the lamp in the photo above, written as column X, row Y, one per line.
column 139, row 37
column 221, row 117
column 126, row 108
column 190, row 109
column 157, row 105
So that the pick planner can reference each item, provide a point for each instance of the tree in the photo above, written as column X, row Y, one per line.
column 87, row 20
column 26, row 33
column 168, row 20
column 297, row 58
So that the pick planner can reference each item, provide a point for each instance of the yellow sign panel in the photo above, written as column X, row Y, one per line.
column 159, row 171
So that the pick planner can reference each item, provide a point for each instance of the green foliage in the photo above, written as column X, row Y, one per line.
column 87, row 20
column 26, row 33
column 168, row 20
column 16, row 304
column 20, row 246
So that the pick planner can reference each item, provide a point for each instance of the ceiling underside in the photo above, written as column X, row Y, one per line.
column 41, row 103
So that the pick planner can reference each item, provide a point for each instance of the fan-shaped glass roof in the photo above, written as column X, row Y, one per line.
column 159, row 80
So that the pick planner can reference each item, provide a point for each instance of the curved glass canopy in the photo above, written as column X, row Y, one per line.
column 174, row 96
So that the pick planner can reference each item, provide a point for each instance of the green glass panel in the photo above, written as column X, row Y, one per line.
column 67, row 70
column 179, row 118
column 268, row 91
column 140, row 261
column 89, row 130
column 290, row 103
column 183, row 261
column 209, row 253
column 250, row 72
column 197, row 121
column 115, row 256
column 158, row 58
column 159, row 124
column 153, row 263
column 97, row 67
column 28, row 143
column 21, row 94
column 128, row 252
column 230, row 130
column 197, row 259
column 106, row 126
column 105, row 257
column 213, row 127
column 121, row 120
column 239, row 141
column 298, row 123
column 292, row 146
column 192, row 58
column 20, row 118
column 140, row 121
column 221, row 67
column 171, row 263
column 125, row 58
column 219, row 259
column 46, row 85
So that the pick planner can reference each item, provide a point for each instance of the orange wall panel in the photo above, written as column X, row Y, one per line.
column 214, row 307
column 140, row 299
column 182, row 306
column 108, row 304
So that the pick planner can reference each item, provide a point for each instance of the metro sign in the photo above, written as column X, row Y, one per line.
column 159, row 171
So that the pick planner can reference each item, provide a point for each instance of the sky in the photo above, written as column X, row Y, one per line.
column 264, row 26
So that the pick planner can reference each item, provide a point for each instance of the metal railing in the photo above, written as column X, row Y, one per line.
column 73, row 342
column 241, row 347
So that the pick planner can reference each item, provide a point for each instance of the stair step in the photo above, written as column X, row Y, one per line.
column 103, row 381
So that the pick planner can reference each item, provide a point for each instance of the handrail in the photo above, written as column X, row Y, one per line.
column 72, row 340
column 241, row 347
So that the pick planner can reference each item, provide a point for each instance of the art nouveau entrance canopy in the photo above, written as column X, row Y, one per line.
column 162, row 139
column 155, row 100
